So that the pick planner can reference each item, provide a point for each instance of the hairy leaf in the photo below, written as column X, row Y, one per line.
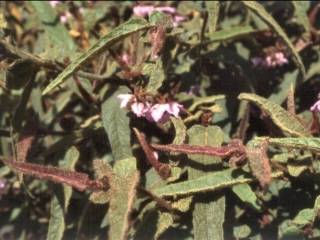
column 309, row 144
column 157, row 75
column 209, row 182
column 103, row 44
column 122, row 196
column 204, row 100
column 284, row 120
column 116, row 123
column 208, row 216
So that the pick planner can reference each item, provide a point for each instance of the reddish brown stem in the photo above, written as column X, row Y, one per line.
column 79, row 181
column 162, row 168
column 223, row 151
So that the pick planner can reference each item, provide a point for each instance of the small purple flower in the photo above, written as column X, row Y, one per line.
column 276, row 59
column 162, row 112
column 139, row 109
column 143, row 10
column 316, row 106
column 65, row 16
column 159, row 112
column 3, row 184
column 146, row 10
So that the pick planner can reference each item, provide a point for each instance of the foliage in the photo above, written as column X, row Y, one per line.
column 159, row 120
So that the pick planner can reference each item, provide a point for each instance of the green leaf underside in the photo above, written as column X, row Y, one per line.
column 268, row 19
column 125, row 29
column 209, row 182
column 208, row 216
column 116, row 124
column 62, row 195
column 283, row 119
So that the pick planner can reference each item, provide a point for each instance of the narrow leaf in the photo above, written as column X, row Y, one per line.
column 310, row 144
column 209, row 182
column 103, row 44
column 209, row 209
column 245, row 193
column 123, row 194
column 301, row 12
column 230, row 34
column 116, row 124
column 180, row 129
column 283, row 119
column 258, row 9
column 213, row 15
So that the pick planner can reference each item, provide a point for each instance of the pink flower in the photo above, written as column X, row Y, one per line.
column 54, row 3
column 139, row 109
column 65, row 16
column 159, row 112
column 276, row 59
column 143, row 10
column 125, row 99
column 146, row 10
column 162, row 112
column 316, row 106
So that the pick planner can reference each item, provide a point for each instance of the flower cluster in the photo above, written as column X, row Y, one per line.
column 159, row 112
column 270, row 61
column 146, row 10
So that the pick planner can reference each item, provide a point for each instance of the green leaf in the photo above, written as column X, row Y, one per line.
column 180, row 129
column 56, row 31
column 281, row 92
column 213, row 8
column 61, row 199
column 209, row 182
column 204, row 100
column 301, row 12
column 102, row 45
column 242, row 232
column 309, row 144
column 258, row 9
column 208, row 215
column 116, row 124
column 157, row 75
column 165, row 221
column 123, row 194
column 283, row 119
column 304, row 217
column 245, row 193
